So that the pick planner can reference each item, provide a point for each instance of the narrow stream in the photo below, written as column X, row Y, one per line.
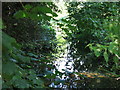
column 65, row 65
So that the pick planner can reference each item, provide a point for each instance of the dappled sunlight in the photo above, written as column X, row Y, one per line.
column 60, row 44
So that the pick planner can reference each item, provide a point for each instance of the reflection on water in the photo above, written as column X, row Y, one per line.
column 65, row 63
column 82, row 80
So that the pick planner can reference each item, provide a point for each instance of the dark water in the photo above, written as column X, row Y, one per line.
column 70, row 80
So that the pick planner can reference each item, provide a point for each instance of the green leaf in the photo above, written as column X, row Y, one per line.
column 32, row 55
column 34, row 16
column 2, row 26
column 105, row 56
column 50, row 76
column 59, row 81
column 110, row 48
column 42, row 9
column 97, row 52
column 8, row 43
column 32, row 76
column 16, row 77
column 38, row 81
column 4, row 85
column 54, row 14
column 20, row 57
column 101, row 46
column 20, row 14
column 34, row 59
column 28, row 7
column 45, row 17
column 7, row 76
column 21, row 83
column 116, row 61
column 113, row 48
column 9, row 68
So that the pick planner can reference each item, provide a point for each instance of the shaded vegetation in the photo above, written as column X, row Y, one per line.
column 89, row 35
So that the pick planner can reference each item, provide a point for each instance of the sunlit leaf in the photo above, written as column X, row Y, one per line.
column 54, row 14
column 97, row 52
column 113, row 48
column 105, row 54
column 28, row 7
column 20, row 14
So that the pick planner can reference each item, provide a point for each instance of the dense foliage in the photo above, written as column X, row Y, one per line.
column 30, row 44
column 30, row 54
column 91, row 24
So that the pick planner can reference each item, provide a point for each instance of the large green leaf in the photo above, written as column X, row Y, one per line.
column 20, row 14
column 113, row 48
column 21, row 83
column 9, row 68
column 35, row 16
column 97, row 52
column 42, row 9
column 116, row 61
column 105, row 54
column 21, row 58
column 8, row 43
